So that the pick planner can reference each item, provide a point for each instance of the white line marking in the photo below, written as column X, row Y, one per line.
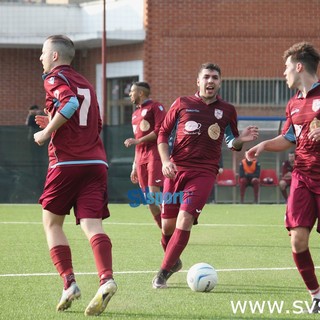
column 152, row 224
column 144, row 272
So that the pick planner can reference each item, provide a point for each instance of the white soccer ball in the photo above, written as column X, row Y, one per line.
column 202, row 277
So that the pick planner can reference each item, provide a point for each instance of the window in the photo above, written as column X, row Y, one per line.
column 256, row 92
column 119, row 106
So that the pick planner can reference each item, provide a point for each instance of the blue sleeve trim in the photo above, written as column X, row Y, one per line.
column 70, row 108
column 228, row 136
column 290, row 135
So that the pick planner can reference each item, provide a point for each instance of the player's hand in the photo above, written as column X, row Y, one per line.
column 254, row 152
column 130, row 142
column 250, row 133
column 134, row 177
column 314, row 135
column 169, row 169
column 42, row 121
column 41, row 137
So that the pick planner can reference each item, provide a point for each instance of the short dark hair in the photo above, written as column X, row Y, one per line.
column 211, row 66
column 63, row 45
column 304, row 53
column 34, row 107
column 144, row 85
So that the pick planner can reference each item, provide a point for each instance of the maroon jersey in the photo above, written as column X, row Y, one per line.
column 78, row 140
column 199, row 132
column 147, row 118
column 303, row 115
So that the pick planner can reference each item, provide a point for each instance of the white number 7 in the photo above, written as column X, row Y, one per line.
column 85, row 105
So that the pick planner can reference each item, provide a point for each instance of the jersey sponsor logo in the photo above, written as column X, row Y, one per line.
column 295, row 111
column 198, row 211
column 316, row 105
column 218, row 113
column 214, row 131
column 192, row 127
column 51, row 80
column 192, row 110
column 158, row 180
column 144, row 125
column 144, row 112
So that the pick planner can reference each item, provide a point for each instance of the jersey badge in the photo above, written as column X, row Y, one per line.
column 160, row 108
column 315, row 105
column 144, row 112
column 214, row 131
column 51, row 80
column 218, row 113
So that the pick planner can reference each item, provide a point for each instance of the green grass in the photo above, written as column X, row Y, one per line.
column 245, row 243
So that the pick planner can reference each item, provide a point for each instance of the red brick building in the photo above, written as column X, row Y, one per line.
column 246, row 38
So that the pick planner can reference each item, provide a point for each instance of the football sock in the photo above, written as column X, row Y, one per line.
column 61, row 258
column 176, row 245
column 101, row 248
column 164, row 241
column 304, row 263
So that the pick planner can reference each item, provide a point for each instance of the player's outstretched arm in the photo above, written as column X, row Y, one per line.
column 276, row 144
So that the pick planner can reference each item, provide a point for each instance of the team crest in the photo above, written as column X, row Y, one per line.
column 315, row 105
column 144, row 112
column 51, row 80
column 218, row 113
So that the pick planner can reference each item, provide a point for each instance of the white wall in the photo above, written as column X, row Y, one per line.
column 27, row 25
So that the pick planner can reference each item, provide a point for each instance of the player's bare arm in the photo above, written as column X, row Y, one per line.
column 169, row 169
column 42, row 136
column 276, row 144
column 132, row 141
column 42, row 121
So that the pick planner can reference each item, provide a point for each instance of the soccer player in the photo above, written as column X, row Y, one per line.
column 146, row 122
column 77, row 173
column 302, row 128
column 249, row 175
column 200, row 121
column 286, row 170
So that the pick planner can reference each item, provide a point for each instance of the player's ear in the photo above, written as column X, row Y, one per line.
column 55, row 55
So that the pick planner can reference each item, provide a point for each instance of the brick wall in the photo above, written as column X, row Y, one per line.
column 246, row 38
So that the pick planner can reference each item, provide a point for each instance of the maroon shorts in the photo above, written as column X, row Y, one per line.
column 191, row 187
column 303, row 208
column 83, row 188
column 150, row 174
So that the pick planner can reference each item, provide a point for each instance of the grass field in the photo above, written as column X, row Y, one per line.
column 247, row 244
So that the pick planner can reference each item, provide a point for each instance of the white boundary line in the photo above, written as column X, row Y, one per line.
column 152, row 224
column 145, row 272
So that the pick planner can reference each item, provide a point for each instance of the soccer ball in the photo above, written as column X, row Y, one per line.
column 202, row 277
